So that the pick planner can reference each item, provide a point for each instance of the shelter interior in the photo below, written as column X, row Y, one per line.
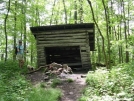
column 65, row 54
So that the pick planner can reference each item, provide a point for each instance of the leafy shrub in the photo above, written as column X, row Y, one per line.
column 15, row 87
column 43, row 85
column 55, row 82
column 116, row 84
column 39, row 94
column 69, row 80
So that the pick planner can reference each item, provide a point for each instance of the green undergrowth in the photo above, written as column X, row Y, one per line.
column 116, row 84
column 69, row 80
column 15, row 87
column 55, row 82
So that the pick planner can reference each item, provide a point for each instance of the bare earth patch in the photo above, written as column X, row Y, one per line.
column 71, row 91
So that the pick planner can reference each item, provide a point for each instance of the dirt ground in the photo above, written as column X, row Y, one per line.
column 70, row 91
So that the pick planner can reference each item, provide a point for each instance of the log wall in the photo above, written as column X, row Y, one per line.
column 64, row 38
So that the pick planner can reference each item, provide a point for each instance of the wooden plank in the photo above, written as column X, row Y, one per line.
column 39, row 47
column 84, row 53
column 41, row 60
column 85, row 61
column 62, row 38
column 83, row 48
column 85, row 57
column 41, row 56
column 42, row 64
column 61, row 44
column 40, row 51
column 86, row 66
column 62, row 41
column 65, row 31
column 60, row 35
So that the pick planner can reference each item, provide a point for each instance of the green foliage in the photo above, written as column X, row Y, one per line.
column 42, row 85
column 15, row 87
column 55, row 82
column 12, row 84
column 116, row 84
column 39, row 94
column 69, row 80
column 10, row 68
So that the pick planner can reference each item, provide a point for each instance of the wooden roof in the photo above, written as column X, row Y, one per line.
column 62, row 27
column 53, row 28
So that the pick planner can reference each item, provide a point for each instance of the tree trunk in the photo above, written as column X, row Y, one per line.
column 125, row 31
column 14, row 36
column 99, row 50
column 65, row 12
column 5, row 29
column 103, row 47
column 107, row 33
column 75, row 12
column 24, row 27
column 81, row 11
column 52, row 12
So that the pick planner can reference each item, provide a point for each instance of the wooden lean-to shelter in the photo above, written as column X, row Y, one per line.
column 70, row 44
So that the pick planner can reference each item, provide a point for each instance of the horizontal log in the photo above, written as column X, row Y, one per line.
column 61, row 44
column 60, row 35
column 84, row 53
column 41, row 56
column 85, row 66
column 41, row 59
column 63, row 38
column 60, row 41
column 65, row 31
column 85, row 60
column 88, row 63
column 40, row 51
column 68, row 42
column 85, row 63
column 42, row 64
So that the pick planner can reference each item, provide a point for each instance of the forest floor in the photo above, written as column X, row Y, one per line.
column 71, row 91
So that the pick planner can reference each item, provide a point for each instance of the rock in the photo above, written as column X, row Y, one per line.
column 71, row 93
column 83, row 76
column 48, row 73
column 46, row 78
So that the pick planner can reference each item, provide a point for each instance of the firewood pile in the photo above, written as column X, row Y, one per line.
column 57, row 69
column 53, row 68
